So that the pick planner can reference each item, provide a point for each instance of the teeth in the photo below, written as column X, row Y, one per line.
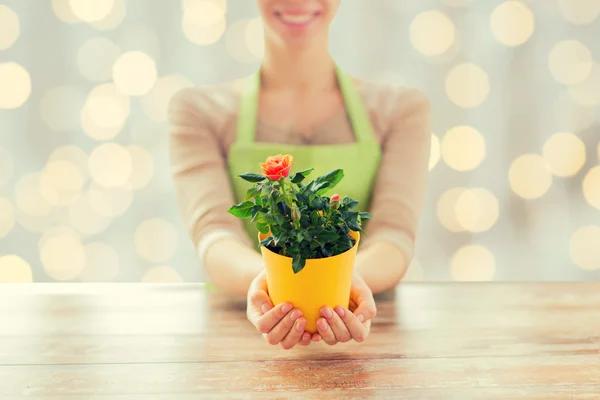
column 296, row 19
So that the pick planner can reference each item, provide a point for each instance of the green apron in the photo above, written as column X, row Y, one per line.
column 359, row 159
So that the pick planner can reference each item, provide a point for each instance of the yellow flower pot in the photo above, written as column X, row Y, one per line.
column 322, row 281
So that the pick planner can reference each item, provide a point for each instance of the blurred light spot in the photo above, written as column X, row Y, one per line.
column 110, row 165
column 105, row 112
column 110, row 202
column 73, row 155
column 28, row 196
column 96, row 57
column 571, row 116
column 7, row 167
column 11, row 29
column 114, row 17
column 446, row 209
column 254, row 38
column 63, row 12
column 91, row 10
column 156, row 102
column 41, row 223
column 56, row 231
column 140, row 39
column 570, row 62
column 584, row 247
column 16, row 85
column 239, row 34
column 203, row 23
column 7, row 217
column 57, row 105
column 580, row 12
column 432, row 33
column 155, row 240
column 463, row 148
column 86, row 219
column 530, row 176
column 62, row 256
column 13, row 269
column 456, row 3
column 61, row 183
column 134, row 73
column 162, row 275
column 587, row 93
column 434, row 156
column 473, row 263
column 467, row 85
column 564, row 153
column 143, row 166
column 591, row 187
column 512, row 23
column 191, row 3
column 477, row 210
column 101, row 263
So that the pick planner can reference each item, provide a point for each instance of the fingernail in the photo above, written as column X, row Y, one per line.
column 326, row 312
column 340, row 311
column 300, row 325
column 322, row 325
column 286, row 308
column 265, row 307
column 361, row 318
column 295, row 315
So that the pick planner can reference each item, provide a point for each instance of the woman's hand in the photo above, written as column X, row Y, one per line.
column 282, row 324
column 342, row 324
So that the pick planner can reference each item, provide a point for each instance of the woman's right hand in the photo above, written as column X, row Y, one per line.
column 281, row 325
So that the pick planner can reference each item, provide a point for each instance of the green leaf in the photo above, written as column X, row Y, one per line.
column 266, row 241
column 333, row 178
column 254, row 178
column 354, row 225
column 300, row 175
column 242, row 210
column 298, row 263
column 314, row 217
column 253, row 192
column 326, row 236
column 262, row 228
column 262, row 218
column 365, row 215
column 349, row 202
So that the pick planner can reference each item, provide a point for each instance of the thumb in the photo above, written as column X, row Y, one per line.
column 363, row 297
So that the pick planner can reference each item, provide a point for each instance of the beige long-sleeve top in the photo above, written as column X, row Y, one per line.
column 203, row 127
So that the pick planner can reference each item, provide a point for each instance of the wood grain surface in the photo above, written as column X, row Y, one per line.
column 184, row 341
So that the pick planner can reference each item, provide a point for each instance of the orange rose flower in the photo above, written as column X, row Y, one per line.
column 277, row 167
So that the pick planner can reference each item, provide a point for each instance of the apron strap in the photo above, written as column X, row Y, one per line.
column 359, row 117
column 248, row 110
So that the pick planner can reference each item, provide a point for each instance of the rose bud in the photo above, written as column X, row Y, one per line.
column 295, row 214
column 334, row 202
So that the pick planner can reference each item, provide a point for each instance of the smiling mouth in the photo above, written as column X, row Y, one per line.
column 296, row 19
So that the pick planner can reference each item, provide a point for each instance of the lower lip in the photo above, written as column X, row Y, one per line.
column 295, row 25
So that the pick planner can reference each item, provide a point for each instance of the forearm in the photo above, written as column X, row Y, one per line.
column 232, row 266
column 383, row 264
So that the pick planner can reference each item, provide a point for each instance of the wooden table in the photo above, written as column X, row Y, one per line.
column 183, row 341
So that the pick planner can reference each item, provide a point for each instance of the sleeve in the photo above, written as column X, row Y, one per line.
column 401, row 184
column 199, row 171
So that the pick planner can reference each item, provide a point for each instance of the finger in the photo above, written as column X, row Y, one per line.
column 271, row 318
column 259, row 304
column 279, row 332
column 357, row 330
column 316, row 337
column 294, row 335
column 326, row 332
column 306, row 338
column 337, row 325
column 363, row 297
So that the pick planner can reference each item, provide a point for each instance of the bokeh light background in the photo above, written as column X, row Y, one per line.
column 85, row 184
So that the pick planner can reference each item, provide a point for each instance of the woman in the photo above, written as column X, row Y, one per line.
column 300, row 102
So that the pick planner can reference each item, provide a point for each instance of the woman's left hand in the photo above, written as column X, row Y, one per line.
column 343, row 324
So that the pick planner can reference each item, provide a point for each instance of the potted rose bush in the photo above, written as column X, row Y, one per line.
column 307, row 239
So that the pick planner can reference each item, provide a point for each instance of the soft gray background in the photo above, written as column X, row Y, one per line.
column 532, row 239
